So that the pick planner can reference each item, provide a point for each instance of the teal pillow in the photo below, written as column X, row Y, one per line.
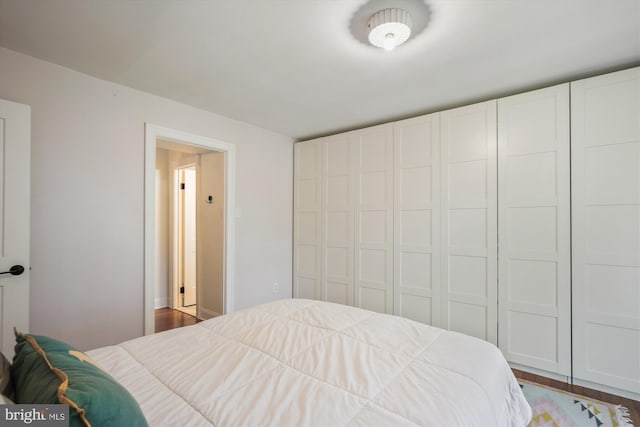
column 45, row 370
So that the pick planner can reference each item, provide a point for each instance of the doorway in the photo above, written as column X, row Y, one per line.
column 190, row 199
column 193, row 253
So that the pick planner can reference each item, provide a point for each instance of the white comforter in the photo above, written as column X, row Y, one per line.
column 309, row 363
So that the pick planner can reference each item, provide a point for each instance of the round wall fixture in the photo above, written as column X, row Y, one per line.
column 389, row 28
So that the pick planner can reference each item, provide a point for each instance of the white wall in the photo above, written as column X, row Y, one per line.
column 211, row 234
column 87, row 199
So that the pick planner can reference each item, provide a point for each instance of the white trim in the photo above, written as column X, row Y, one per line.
column 541, row 372
column 152, row 134
column 611, row 390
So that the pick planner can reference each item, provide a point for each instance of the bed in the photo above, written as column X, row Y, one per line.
column 306, row 363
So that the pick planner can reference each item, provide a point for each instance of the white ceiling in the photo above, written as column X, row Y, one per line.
column 297, row 66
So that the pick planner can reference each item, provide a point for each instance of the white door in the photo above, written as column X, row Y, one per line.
column 337, row 219
column 605, row 192
column 307, row 254
column 469, row 220
column 374, row 218
column 189, row 235
column 417, row 219
column 15, row 162
column 533, row 228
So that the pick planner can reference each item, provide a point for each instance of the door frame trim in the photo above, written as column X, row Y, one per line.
column 152, row 134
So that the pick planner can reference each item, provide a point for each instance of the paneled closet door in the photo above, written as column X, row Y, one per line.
column 374, row 218
column 417, row 219
column 469, row 220
column 337, row 219
column 605, row 173
column 307, row 255
column 534, row 229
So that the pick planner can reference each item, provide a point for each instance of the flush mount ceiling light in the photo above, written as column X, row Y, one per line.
column 389, row 28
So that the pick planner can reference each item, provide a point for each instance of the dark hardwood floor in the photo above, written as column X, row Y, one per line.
column 167, row 318
column 632, row 405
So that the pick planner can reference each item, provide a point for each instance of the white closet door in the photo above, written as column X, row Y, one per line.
column 605, row 173
column 417, row 219
column 469, row 220
column 534, row 229
column 337, row 219
column 307, row 252
column 374, row 218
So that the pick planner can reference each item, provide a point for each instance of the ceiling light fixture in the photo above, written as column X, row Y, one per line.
column 389, row 28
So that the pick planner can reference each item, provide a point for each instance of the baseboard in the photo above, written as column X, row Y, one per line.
column 205, row 314
column 162, row 302
column 542, row 373
column 611, row 390
column 577, row 381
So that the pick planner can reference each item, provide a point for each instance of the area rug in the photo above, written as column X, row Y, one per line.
column 556, row 408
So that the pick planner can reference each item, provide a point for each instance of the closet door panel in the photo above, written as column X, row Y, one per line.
column 417, row 219
column 469, row 220
column 533, row 228
column 307, row 220
column 337, row 219
column 606, row 229
column 374, row 218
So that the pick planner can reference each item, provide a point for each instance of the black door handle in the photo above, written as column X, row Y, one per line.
column 15, row 270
